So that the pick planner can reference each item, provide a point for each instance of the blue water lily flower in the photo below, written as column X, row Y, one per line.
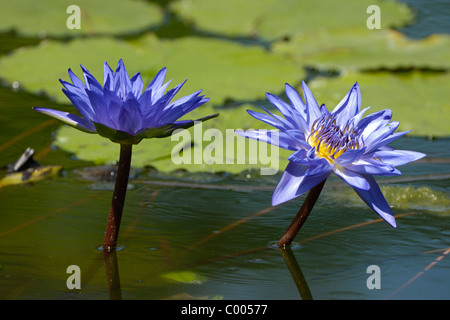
column 121, row 110
column 340, row 141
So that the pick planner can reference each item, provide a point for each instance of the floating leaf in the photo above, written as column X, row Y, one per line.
column 49, row 17
column 38, row 68
column 211, row 146
column 354, row 48
column 271, row 19
column 418, row 100
column 187, row 296
column 204, row 147
column 223, row 69
column 184, row 277
column 30, row 175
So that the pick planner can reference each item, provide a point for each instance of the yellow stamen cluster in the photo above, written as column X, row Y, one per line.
column 331, row 141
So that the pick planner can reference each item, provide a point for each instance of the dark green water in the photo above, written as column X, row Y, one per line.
column 211, row 236
column 191, row 228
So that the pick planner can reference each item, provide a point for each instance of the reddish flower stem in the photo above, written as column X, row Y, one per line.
column 301, row 216
column 118, row 199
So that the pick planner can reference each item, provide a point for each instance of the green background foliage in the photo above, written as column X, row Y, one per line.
column 235, row 57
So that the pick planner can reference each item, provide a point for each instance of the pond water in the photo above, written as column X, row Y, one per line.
column 212, row 236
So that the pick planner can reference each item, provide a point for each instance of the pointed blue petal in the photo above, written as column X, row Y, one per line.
column 300, row 136
column 296, row 100
column 108, row 76
column 196, row 103
column 374, row 198
column 387, row 140
column 145, row 100
column 158, row 93
column 70, row 119
column 184, row 100
column 380, row 134
column 91, row 82
column 155, row 113
column 352, row 178
column 182, row 106
column 113, row 107
column 286, row 124
column 357, row 118
column 398, row 157
column 349, row 106
column 267, row 119
column 294, row 183
column 80, row 100
column 97, row 103
column 131, row 117
column 373, row 122
column 319, row 166
column 137, row 85
column 350, row 156
column 371, row 166
column 75, row 80
column 158, row 80
column 122, row 82
column 324, row 110
column 316, row 164
column 277, row 138
column 299, row 157
column 290, row 181
column 282, row 106
column 312, row 108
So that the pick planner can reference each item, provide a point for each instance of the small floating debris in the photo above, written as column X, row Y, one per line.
column 26, row 161
column 106, row 173
column 27, row 170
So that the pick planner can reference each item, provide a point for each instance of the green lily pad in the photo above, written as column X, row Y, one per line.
column 271, row 19
column 418, row 100
column 211, row 146
column 50, row 18
column 184, row 277
column 223, row 69
column 38, row 69
column 354, row 48
column 30, row 175
column 187, row 296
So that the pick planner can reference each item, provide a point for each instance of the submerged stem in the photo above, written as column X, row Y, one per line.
column 301, row 216
column 296, row 273
column 112, row 274
column 118, row 199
